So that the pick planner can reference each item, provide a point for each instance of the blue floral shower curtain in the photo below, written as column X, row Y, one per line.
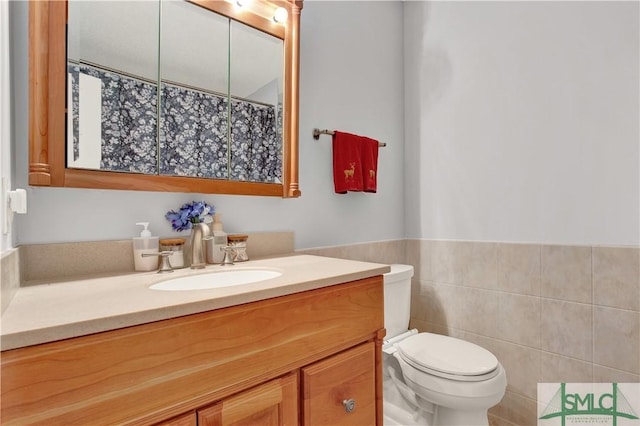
column 193, row 135
column 255, row 145
column 129, row 121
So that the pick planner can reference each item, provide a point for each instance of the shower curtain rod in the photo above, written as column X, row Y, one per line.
column 318, row 132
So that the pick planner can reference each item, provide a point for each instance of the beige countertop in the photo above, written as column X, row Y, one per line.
column 48, row 312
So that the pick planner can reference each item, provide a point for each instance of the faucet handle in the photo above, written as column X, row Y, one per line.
column 165, row 266
column 229, row 253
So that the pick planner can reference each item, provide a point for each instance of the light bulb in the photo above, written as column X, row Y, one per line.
column 281, row 15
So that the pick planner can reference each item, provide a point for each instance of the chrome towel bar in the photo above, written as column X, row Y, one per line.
column 318, row 132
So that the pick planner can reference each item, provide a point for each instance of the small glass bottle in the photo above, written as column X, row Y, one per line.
column 176, row 245
column 239, row 244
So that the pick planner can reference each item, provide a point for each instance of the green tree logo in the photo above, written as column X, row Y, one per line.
column 612, row 404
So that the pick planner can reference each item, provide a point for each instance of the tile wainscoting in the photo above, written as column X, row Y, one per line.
column 387, row 252
column 550, row 313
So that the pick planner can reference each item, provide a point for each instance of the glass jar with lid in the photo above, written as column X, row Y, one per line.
column 239, row 244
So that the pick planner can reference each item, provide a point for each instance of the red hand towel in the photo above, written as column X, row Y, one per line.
column 347, row 162
column 369, row 164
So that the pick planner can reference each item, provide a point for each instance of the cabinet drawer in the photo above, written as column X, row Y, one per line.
column 331, row 384
column 274, row 403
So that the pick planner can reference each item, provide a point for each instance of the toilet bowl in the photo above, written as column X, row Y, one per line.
column 431, row 379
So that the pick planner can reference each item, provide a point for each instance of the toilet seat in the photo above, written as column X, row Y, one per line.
column 448, row 357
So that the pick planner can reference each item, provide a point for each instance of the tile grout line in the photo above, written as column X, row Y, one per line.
column 539, row 378
column 593, row 316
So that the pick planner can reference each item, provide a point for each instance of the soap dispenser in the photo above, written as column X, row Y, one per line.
column 145, row 243
column 215, row 254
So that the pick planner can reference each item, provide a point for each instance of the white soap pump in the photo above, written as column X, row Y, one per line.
column 145, row 243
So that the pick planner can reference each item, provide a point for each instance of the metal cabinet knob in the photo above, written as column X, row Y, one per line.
column 349, row 405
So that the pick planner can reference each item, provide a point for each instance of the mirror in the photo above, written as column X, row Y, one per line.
column 194, row 97
column 191, row 116
column 112, row 69
column 256, row 113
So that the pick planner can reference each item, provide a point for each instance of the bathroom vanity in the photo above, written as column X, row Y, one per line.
column 303, row 348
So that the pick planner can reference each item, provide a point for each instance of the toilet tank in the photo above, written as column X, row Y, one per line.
column 397, row 299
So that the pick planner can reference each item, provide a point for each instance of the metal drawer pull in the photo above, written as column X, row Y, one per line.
column 349, row 405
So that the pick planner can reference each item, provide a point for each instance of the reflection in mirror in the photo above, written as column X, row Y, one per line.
column 256, row 106
column 194, row 71
column 85, row 55
column 219, row 98
column 112, row 69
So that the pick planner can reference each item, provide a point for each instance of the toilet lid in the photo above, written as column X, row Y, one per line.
column 435, row 352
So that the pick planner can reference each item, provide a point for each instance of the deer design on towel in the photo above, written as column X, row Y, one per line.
column 348, row 173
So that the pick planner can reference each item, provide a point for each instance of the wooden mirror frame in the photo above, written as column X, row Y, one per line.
column 47, row 92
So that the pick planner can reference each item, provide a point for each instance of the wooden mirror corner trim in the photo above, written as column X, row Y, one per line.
column 292, row 67
column 47, row 108
column 46, row 39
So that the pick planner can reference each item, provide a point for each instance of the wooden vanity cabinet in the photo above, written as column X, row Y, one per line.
column 295, row 359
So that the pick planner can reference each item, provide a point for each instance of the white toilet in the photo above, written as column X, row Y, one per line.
column 431, row 379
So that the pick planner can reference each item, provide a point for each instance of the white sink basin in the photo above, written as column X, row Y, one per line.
column 216, row 279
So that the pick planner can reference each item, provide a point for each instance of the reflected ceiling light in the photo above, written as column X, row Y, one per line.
column 281, row 15
column 242, row 3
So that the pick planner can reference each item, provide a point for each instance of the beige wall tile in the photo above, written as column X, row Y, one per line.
column 415, row 287
column 556, row 369
column 603, row 374
column 420, row 304
column 516, row 409
column 428, row 327
column 498, row 421
column 421, row 325
column 447, row 260
column 519, row 319
column 445, row 304
column 522, row 365
column 616, row 277
column 480, row 266
column 418, row 254
column 386, row 252
column 519, row 268
column 479, row 313
column 566, row 273
column 616, row 339
column 566, row 328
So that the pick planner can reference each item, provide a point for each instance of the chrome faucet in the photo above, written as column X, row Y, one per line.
column 165, row 265
column 229, row 254
column 199, row 234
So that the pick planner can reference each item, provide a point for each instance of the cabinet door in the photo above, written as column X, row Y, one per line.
column 341, row 389
column 274, row 403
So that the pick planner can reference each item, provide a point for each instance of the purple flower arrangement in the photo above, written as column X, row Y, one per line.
column 189, row 213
